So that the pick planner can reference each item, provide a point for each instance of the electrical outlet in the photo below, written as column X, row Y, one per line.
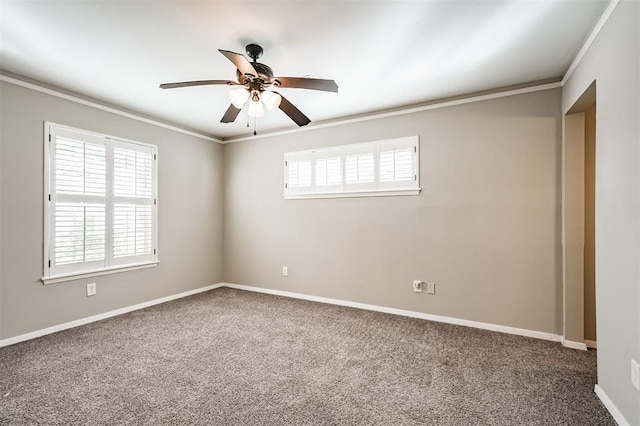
column 91, row 289
column 417, row 286
column 635, row 374
column 285, row 271
column 431, row 288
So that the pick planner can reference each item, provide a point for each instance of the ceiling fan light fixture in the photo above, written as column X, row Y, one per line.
column 255, row 78
column 255, row 109
column 238, row 97
column 271, row 100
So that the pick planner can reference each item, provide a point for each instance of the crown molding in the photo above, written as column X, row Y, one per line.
column 79, row 100
column 589, row 41
column 408, row 110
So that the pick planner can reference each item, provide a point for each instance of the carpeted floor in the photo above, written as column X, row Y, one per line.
column 229, row 357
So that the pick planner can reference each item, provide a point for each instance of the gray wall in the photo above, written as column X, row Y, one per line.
column 485, row 227
column 613, row 61
column 189, row 202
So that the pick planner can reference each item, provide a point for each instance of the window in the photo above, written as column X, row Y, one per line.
column 100, row 198
column 388, row 167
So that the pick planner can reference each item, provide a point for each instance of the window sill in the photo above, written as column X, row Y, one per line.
column 95, row 273
column 394, row 193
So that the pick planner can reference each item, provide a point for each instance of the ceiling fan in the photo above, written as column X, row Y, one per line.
column 256, row 80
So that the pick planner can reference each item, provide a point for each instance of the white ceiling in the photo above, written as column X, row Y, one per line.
column 383, row 54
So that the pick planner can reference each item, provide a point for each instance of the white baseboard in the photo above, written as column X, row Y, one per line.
column 615, row 412
column 449, row 320
column 591, row 344
column 611, row 407
column 574, row 345
column 412, row 314
column 93, row 318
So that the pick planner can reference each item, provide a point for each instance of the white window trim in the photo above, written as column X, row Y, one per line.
column 342, row 193
column 355, row 194
column 52, row 279
column 97, row 272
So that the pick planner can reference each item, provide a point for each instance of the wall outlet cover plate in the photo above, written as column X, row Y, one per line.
column 431, row 288
column 91, row 289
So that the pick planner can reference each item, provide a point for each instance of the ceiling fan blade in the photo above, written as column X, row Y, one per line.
column 197, row 83
column 294, row 113
column 240, row 62
column 307, row 83
column 230, row 115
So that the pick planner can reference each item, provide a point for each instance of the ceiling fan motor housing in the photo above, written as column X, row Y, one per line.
column 264, row 73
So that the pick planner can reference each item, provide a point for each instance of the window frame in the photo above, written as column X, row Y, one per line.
column 110, row 265
column 361, row 189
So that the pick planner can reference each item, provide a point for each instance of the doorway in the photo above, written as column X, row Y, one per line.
column 578, row 222
column 590, row 337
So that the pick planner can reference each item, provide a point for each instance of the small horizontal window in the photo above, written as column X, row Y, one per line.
column 381, row 168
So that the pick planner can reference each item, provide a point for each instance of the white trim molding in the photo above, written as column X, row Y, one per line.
column 589, row 41
column 400, row 111
column 581, row 346
column 608, row 403
column 106, row 271
column 611, row 407
column 105, row 315
column 96, row 105
column 313, row 126
column 394, row 193
column 412, row 314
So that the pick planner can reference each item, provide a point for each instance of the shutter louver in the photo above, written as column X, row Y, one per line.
column 124, row 228
column 360, row 168
column 132, row 230
column 133, row 210
column 69, row 234
column 396, row 165
column 328, row 171
column 79, row 213
column 144, row 230
column 300, row 174
column 132, row 173
column 404, row 165
column 80, row 167
column 144, row 175
column 321, row 172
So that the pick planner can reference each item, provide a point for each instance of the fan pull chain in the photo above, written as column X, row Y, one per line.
column 254, row 126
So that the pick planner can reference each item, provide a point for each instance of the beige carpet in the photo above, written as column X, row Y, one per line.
column 228, row 357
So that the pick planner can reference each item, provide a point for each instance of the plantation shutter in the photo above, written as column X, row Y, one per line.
column 101, row 202
column 397, row 164
column 78, row 190
column 388, row 167
column 360, row 170
column 298, row 175
column 132, row 202
column 328, row 170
